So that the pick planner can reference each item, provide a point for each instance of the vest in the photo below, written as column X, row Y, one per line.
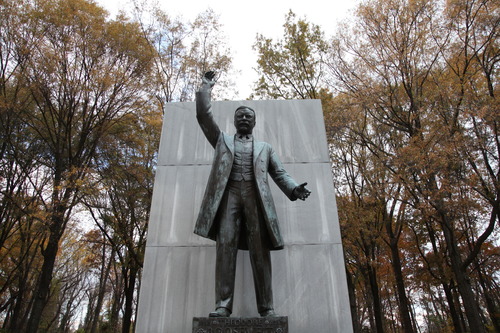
column 242, row 169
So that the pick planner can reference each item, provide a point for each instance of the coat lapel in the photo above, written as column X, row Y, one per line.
column 257, row 149
column 229, row 141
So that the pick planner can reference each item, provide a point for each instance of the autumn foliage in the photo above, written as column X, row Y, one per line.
column 410, row 97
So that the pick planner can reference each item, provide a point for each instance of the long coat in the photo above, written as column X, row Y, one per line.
column 265, row 162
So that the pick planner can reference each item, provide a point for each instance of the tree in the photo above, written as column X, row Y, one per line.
column 410, row 72
column 184, row 51
column 81, row 74
column 122, row 203
column 21, row 213
column 292, row 67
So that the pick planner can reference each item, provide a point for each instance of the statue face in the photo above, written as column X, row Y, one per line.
column 244, row 121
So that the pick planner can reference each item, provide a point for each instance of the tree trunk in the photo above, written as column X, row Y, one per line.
column 89, row 317
column 377, row 307
column 493, row 309
column 403, row 303
column 464, row 288
column 352, row 302
column 129, row 299
column 455, row 316
column 16, row 323
column 43, row 288
column 117, row 302
column 102, row 287
column 454, row 312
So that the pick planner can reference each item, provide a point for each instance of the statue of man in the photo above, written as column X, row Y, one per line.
column 238, row 210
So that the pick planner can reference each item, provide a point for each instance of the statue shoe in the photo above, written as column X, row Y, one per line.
column 268, row 313
column 220, row 312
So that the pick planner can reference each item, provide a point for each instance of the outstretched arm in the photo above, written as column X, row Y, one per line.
column 203, row 106
column 284, row 181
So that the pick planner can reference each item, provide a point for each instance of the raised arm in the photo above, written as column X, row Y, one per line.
column 203, row 108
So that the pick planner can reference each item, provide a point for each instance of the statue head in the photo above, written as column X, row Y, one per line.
column 244, row 120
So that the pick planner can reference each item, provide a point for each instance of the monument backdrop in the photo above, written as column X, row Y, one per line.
column 309, row 281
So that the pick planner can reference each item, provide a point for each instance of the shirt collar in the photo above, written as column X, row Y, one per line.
column 244, row 137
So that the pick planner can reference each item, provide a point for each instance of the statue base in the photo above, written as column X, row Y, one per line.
column 240, row 325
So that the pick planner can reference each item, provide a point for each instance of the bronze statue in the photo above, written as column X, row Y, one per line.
column 238, row 210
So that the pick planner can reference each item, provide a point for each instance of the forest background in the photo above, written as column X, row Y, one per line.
column 410, row 98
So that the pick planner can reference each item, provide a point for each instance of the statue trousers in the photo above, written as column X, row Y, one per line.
column 240, row 208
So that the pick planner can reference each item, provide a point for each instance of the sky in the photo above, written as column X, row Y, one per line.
column 243, row 20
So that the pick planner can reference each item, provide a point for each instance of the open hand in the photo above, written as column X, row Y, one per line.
column 301, row 192
column 208, row 79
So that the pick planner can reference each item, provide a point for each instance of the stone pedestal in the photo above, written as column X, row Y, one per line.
column 240, row 325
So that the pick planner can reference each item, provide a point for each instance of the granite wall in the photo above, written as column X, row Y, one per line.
column 309, row 280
